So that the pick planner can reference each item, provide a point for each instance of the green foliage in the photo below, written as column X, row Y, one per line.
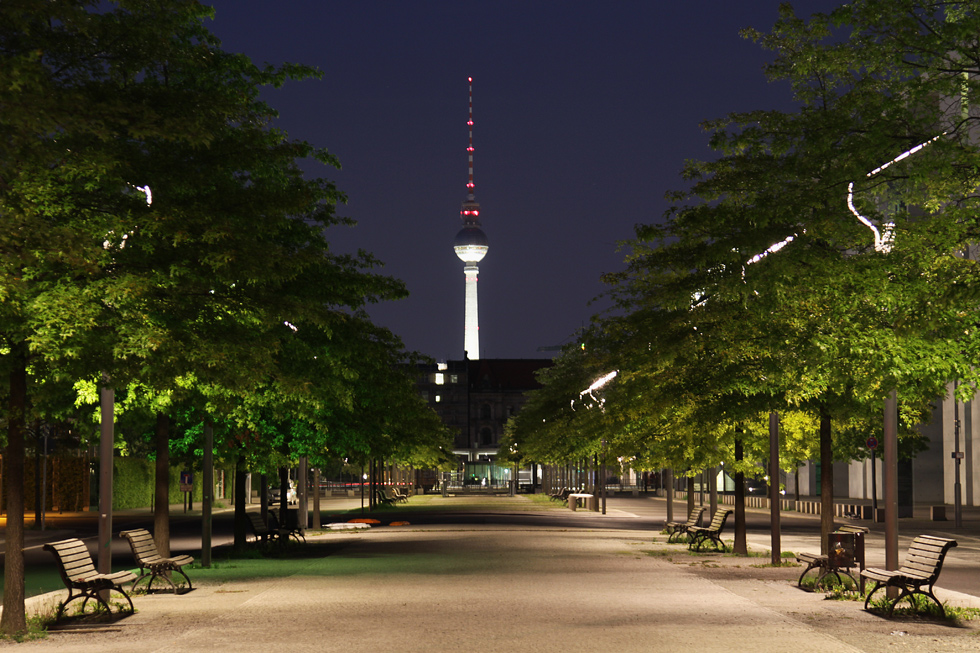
column 761, row 291
column 133, row 483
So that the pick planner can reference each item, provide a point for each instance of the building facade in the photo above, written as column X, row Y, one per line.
column 475, row 398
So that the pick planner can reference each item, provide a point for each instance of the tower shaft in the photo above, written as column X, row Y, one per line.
column 471, row 325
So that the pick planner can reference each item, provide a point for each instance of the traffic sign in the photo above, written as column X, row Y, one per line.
column 872, row 442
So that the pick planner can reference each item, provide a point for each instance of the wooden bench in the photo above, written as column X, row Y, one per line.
column 383, row 499
column 288, row 527
column 835, row 564
column 676, row 529
column 588, row 501
column 701, row 535
column 152, row 565
column 923, row 562
column 397, row 495
column 79, row 574
column 260, row 528
column 561, row 495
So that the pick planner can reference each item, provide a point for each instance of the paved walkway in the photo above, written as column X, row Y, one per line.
column 534, row 583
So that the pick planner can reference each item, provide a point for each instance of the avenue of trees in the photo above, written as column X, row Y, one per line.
column 762, row 291
column 158, row 238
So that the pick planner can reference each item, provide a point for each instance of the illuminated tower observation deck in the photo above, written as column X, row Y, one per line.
column 471, row 246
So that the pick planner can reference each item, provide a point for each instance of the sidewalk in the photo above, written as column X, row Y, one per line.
column 546, row 580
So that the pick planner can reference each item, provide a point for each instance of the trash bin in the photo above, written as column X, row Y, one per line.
column 840, row 550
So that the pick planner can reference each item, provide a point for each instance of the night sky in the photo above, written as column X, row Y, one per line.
column 584, row 115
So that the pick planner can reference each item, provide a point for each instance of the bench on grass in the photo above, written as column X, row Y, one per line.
column 923, row 562
column 677, row 529
column 153, row 565
column 838, row 563
column 397, row 495
column 382, row 498
column 260, row 528
column 561, row 495
column 701, row 535
column 79, row 575
column 288, row 527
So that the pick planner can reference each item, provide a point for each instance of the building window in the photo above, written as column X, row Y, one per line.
column 438, row 398
column 454, row 378
column 440, row 378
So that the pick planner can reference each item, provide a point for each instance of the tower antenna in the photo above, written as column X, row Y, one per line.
column 470, row 186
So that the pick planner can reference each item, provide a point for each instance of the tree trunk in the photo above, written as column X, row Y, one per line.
column 797, row 473
column 669, row 485
column 283, row 505
column 826, row 482
column 207, row 493
column 14, row 620
column 740, row 546
column 713, row 489
column 690, row 495
column 316, row 498
column 161, row 491
column 264, row 498
column 240, row 516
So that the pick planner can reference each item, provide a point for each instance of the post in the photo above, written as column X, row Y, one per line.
column 669, row 486
column 774, row 487
column 106, row 438
column 207, row 493
column 890, row 478
column 603, row 474
column 957, row 487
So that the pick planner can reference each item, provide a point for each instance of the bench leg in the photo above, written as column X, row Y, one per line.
column 809, row 568
column 867, row 599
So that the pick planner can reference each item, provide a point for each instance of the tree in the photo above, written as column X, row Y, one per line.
column 103, row 107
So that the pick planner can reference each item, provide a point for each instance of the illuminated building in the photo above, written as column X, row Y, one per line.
column 475, row 398
column 471, row 246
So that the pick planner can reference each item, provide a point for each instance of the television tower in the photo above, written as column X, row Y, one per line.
column 471, row 246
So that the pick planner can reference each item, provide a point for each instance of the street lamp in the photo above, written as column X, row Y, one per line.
column 883, row 244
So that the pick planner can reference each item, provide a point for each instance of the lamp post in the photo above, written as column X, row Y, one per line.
column 884, row 239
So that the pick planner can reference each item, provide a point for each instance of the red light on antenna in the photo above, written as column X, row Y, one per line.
column 469, row 122
column 470, row 78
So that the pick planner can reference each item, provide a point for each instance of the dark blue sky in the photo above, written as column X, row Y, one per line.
column 584, row 112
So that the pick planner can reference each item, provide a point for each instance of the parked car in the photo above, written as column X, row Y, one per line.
column 291, row 498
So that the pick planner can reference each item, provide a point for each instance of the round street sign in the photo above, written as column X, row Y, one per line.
column 872, row 442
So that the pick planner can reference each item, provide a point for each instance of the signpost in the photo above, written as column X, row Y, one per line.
column 186, row 486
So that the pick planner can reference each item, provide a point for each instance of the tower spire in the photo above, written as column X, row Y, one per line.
column 470, row 186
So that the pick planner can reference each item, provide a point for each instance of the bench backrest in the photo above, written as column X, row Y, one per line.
column 925, row 555
column 848, row 528
column 718, row 521
column 74, row 561
column 259, row 526
column 144, row 548
column 695, row 516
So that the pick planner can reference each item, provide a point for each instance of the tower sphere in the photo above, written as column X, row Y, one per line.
column 471, row 244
